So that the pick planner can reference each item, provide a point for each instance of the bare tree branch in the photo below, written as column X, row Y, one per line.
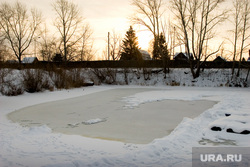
column 19, row 26
column 69, row 24
column 148, row 14
column 197, row 20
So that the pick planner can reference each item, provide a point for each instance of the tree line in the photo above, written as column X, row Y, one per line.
column 193, row 28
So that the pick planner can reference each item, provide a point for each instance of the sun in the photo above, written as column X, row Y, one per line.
column 144, row 38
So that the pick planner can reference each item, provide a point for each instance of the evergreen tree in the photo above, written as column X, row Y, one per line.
column 57, row 58
column 160, row 52
column 160, row 48
column 156, row 49
column 130, row 48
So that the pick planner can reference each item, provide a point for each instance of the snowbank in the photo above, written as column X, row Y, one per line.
column 15, row 82
column 176, row 77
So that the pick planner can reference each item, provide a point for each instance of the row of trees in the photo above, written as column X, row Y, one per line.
column 19, row 27
column 195, row 26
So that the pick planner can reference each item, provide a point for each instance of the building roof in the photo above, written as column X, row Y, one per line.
column 145, row 55
column 220, row 59
column 184, row 54
column 29, row 60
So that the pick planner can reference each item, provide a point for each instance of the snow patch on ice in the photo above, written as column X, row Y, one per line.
column 44, row 129
column 160, row 95
column 94, row 121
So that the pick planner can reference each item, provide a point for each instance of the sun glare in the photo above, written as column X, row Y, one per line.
column 144, row 38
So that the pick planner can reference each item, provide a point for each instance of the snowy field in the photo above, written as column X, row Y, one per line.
column 40, row 147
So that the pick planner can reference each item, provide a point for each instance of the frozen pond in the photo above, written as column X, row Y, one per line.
column 110, row 115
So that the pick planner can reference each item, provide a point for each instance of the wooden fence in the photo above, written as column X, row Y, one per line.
column 121, row 64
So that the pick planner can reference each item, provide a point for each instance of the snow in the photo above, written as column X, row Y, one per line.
column 94, row 121
column 12, row 81
column 28, row 60
column 152, row 96
column 38, row 146
column 176, row 77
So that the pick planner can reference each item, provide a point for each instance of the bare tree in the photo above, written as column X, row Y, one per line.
column 3, row 48
column 148, row 14
column 86, row 45
column 115, row 46
column 245, row 16
column 69, row 24
column 196, row 22
column 48, row 44
column 19, row 26
column 237, row 21
column 240, row 20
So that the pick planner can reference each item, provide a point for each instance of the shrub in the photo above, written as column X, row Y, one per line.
column 59, row 78
column 107, row 76
column 47, row 83
column 10, row 83
column 32, row 80
column 11, row 89
column 237, row 82
column 75, row 78
column 64, row 79
column 147, row 73
column 36, row 80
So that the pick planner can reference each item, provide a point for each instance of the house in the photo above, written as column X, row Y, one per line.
column 182, row 56
column 219, row 59
column 145, row 55
column 30, row 60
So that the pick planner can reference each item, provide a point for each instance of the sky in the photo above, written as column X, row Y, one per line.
column 103, row 16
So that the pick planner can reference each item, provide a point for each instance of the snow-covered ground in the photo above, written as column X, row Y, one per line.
column 38, row 146
column 15, row 82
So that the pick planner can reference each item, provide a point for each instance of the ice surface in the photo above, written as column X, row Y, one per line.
column 155, row 114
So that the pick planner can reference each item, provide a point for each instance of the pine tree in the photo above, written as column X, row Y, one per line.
column 156, row 49
column 163, row 47
column 160, row 52
column 130, row 48
column 160, row 48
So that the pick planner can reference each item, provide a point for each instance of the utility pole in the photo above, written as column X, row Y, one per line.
column 174, row 41
column 108, row 45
